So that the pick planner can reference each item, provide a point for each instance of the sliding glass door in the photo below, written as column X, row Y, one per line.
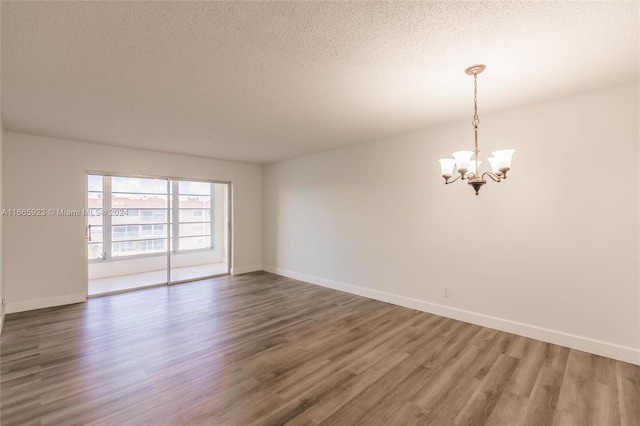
column 146, row 231
column 199, row 240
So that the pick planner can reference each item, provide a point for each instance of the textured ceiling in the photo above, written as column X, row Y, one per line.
column 265, row 81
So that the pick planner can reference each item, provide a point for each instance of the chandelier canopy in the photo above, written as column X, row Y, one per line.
column 467, row 163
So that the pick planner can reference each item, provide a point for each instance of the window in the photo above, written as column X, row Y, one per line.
column 150, row 213
column 195, row 202
column 95, row 205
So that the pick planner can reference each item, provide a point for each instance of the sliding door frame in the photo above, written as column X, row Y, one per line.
column 169, row 179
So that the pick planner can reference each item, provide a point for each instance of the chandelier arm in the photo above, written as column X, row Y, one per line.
column 494, row 177
column 447, row 182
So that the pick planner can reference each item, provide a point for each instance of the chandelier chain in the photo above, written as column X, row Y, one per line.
column 476, row 120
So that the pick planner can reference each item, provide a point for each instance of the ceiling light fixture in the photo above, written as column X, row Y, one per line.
column 468, row 167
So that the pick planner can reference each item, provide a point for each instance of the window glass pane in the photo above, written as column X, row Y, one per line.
column 95, row 250
column 121, row 200
column 195, row 229
column 119, row 233
column 96, row 234
column 190, row 243
column 137, row 216
column 146, row 230
column 94, row 183
column 95, row 205
column 153, row 231
column 194, row 188
column 195, row 201
column 129, row 248
column 139, row 185
column 95, row 217
column 119, row 249
column 195, row 215
column 95, row 200
column 135, row 232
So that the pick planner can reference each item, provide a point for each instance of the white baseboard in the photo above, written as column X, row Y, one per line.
column 28, row 305
column 245, row 269
column 581, row 343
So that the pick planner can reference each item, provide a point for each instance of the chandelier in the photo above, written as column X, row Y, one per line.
column 466, row 162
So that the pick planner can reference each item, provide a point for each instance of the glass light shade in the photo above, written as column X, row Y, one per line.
column 503, row 158
column 494, row 164
column 472, row 166
column 447, row 165
column 462, row 159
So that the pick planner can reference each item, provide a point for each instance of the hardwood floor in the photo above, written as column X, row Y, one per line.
column 262, row 349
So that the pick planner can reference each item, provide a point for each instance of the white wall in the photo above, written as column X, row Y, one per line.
column 45, row 256
column 550, row 253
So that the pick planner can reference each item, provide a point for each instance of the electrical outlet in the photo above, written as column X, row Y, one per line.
column 447, row 292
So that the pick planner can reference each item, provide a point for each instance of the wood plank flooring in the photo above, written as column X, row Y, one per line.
column 259, row 349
